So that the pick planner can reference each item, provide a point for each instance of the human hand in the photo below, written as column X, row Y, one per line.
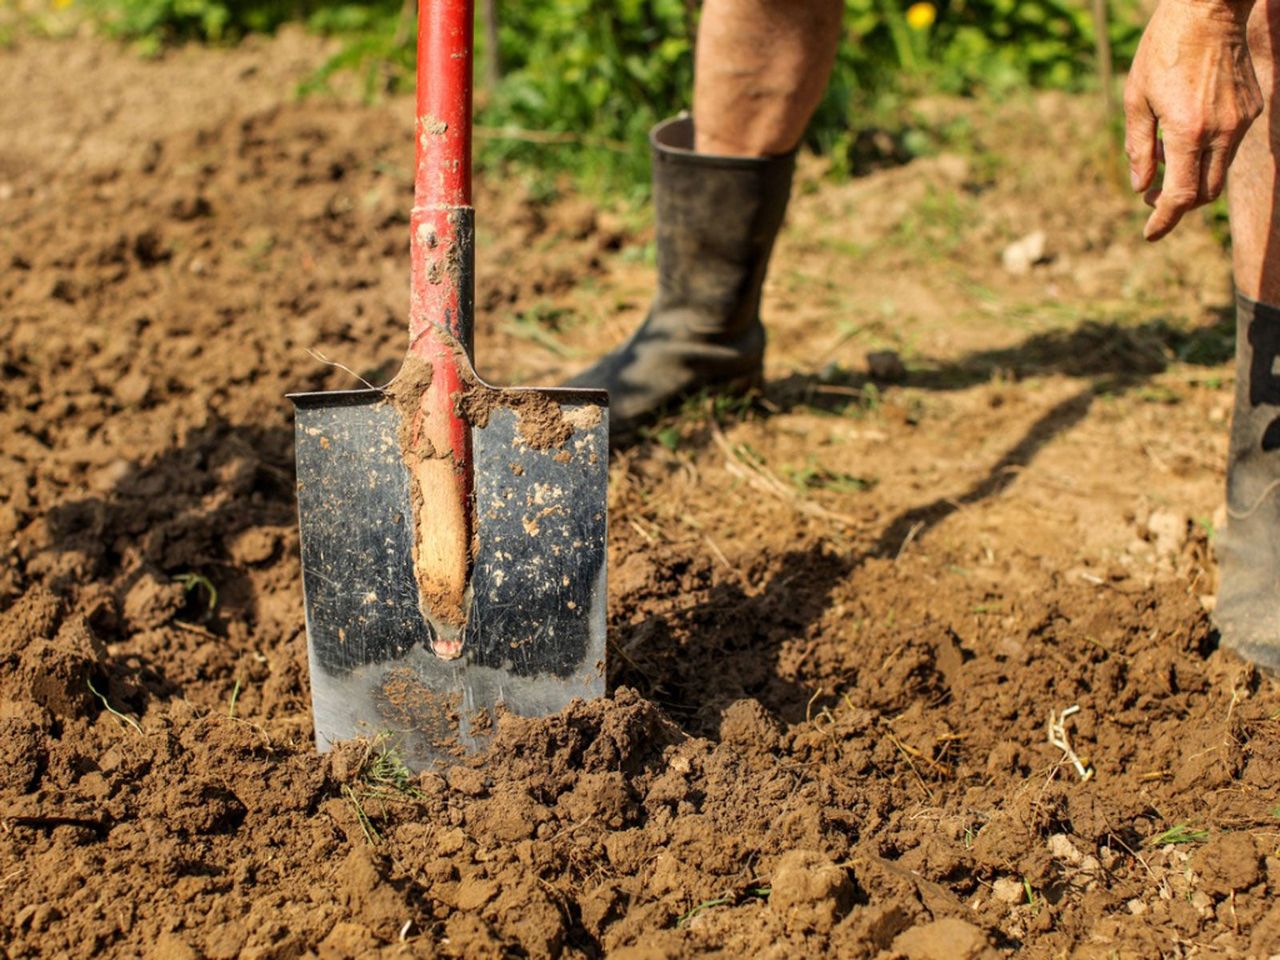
column 1192, row 79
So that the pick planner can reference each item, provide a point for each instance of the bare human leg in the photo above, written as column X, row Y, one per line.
column 760, row 70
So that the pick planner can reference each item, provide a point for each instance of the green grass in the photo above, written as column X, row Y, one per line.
column 751, row 893
column 814, row 476
column 1178, row 834
column 383, row 778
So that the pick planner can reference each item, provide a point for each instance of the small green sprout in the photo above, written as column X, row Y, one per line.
column 1178, row 834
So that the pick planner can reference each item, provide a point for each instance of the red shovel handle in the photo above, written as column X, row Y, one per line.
column 441, row 307
column 444, row 103
column 442, row 241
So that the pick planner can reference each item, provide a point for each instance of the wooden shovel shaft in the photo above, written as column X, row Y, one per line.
column 441, row 308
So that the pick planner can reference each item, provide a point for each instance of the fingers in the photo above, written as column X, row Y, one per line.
column 1140, row 143
column 1213, row 171
column 1180, row 190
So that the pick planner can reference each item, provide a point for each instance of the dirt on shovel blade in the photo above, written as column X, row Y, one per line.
column 840, row 618
column 533, row 639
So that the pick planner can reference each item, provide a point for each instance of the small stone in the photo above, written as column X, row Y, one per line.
column 1008, row 890
column 1061, row 847
column 1020, row 256
column 1136, row 907
column 1168, row 531
column 132, row 389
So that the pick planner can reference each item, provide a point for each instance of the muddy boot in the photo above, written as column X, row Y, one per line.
column 1247, row 613
column 716, row 220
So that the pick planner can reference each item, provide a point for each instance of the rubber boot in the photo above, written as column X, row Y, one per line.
column 1247, row 613
column 716, row 219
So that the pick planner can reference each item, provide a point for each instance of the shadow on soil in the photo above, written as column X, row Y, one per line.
column 179, row 513
column 174, row 518
column 725, row 645
column 1115, row 356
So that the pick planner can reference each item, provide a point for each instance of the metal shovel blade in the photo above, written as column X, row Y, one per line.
column 535, row 634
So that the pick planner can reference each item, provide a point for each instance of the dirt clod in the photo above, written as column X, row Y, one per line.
column 945, row 939
column 809, row 892
column 1228, row 863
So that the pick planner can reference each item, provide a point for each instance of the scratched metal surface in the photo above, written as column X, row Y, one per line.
column 535, row 635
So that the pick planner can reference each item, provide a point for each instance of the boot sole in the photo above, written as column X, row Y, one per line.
column 628, row 434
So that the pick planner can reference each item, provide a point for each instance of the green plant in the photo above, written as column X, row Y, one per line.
column 1178, row 834
column 385, row 769
column 598, row 74
column 197, row 581
column 583, row 81
column 814, row 476
column 157, row 23
column 120, row 717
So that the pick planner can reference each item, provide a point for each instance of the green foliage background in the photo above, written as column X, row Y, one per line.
column 583, row 80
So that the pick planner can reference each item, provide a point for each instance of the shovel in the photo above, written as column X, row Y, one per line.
column 452, row 532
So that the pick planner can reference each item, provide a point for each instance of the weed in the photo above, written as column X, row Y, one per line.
column 192, row 581
column 750, row 893
column 122, row 717
column 386, row 770
column 235, row 695
column 669, row 437
column 1178, row 834
column 814, row 476
column 704, row 905
column 581, row 82
column 538, row 324
column 383, row 777
column 1158, row 393
column 1032, row 900
column 366, row 825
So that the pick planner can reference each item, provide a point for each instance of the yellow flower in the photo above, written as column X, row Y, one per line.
column 920, row 16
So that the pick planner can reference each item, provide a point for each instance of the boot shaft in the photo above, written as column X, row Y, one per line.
column 716, row 218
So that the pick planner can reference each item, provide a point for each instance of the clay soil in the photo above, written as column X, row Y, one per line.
column 840, row 615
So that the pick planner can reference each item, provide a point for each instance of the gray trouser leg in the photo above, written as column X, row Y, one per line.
column 1248, row 609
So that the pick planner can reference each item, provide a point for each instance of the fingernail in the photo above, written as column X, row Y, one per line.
column 1134, row 180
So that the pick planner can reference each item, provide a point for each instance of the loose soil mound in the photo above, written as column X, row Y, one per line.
column 840, row 620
